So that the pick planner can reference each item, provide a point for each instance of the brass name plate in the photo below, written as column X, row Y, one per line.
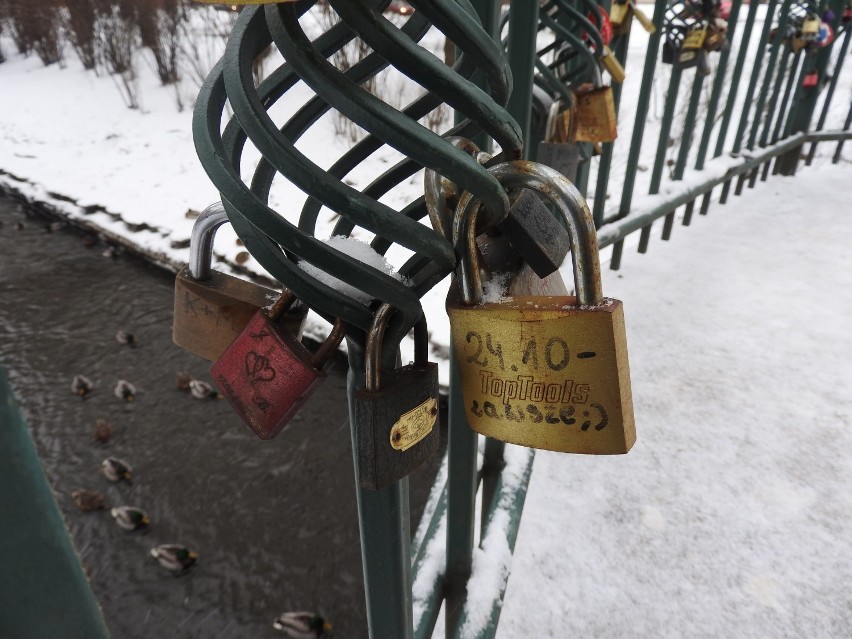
column 414, row 425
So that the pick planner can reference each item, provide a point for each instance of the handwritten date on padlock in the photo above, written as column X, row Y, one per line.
column 546, row 376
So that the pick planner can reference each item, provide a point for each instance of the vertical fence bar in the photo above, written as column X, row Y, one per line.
column 805, row 99
column 461, row 502
column 385, row 538
column 755, row 75
column 665, row 130
column 718, row 84
column 619, row 50
column 774, row 46
column 523, row 28
column 735, row 82
column 836, row 157
column 774, row 104
column 788, row 90
column 688, row 126
column 639, row 126
column 844, row 48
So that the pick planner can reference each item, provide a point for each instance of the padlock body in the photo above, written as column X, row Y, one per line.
column 266, row 374
column 594, row 116
column 545, row 373
column 210, row 313
column 396, row 428
column 534, row 232
column 565, row 158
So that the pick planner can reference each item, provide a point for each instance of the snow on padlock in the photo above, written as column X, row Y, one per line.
column 267, row 374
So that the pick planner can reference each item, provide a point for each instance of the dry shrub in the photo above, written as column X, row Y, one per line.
column 118, row 39
column 80, row 29
column 160, row 28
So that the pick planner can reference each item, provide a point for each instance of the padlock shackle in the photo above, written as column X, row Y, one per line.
column 327, row 348
column 523, row 174
column 201, row 241
column 375, row 338
column 438, row 192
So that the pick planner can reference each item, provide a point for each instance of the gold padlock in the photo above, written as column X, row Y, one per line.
column 619, row 16
column 545, row 372
column 594, row 114
column 810, row 27
column 717, row 30
column 611, row 64
column 643, row 19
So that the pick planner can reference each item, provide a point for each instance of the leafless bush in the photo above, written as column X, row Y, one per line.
column 118, row 39
column 160, row 30
column 203, row 37
column 45, row 21
column 80, row 29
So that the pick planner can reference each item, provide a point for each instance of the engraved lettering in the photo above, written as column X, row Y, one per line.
column 530, row 350
column 581, row 394
column 258, row 368
column 533, row 410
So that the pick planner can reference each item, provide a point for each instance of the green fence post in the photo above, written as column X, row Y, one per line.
column 755, row 75
column 771, row 69
column 844, row 48
column 805, row 98
column 718, row 84
column 735, row 80
column 665, row 130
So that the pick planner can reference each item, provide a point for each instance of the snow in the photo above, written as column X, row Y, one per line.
column 731, row 516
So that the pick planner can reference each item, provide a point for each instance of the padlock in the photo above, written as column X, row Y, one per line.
column 212, row 308
column 544, row 372
column 558, row 149
column 643, row 19
column 715, row 38
column 267, row 374
column 396, row 414
column 594, row 113
column 693, row 43
column 810, row 80
column 810, row 27
column 619, row 17
column 612, row 65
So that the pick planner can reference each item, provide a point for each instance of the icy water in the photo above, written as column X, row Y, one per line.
column 274, row 523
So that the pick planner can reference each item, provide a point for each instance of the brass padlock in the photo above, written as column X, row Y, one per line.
column 594, row 113
column 643, row 19
column 612, row 65
column 619, row 17
column 544, row 372
column 212, row 308
column 396, row 414
column 690, row 49
column 716, row 37
column 810, row 27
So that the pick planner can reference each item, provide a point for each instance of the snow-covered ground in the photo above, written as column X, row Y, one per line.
column 731, row 517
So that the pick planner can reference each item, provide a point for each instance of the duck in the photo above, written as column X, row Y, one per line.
column 115, row 470
column 130, row 518
column 125, row 390
column 175, row 557
column 88, row 500
column 202, row 390
column 302, row 625
column 102, row 432
column 81, row 385
column 183, row 381
column 123, row 337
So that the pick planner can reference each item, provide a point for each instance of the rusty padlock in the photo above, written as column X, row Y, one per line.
column 545, row 372
column 594, row 113
column 396, row 414
column 267, row 374
column 612, row 65
column 716, row 37
column 211, row 307
column 558, row 149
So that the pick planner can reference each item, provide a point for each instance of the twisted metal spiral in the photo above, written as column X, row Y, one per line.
column 278, row 244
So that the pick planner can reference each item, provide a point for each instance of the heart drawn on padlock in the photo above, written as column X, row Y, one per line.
column 258, row 368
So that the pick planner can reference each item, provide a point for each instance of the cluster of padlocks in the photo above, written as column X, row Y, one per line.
column 542, row 371
column 694, row 29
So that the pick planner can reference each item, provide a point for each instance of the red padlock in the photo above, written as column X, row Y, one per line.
column 267, row 374
column 811, row 79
